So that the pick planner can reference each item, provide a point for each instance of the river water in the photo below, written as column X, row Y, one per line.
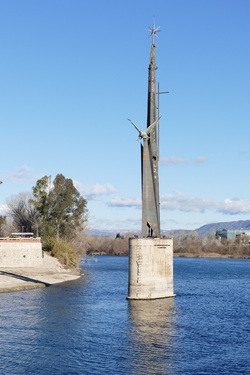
column 88, row 327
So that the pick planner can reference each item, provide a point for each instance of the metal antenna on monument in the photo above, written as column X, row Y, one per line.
column 153, row 30
column 153, row 33
column 158, row 111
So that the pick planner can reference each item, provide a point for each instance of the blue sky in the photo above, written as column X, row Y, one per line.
column 73, row 71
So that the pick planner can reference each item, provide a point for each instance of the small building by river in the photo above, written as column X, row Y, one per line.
column 232, row 233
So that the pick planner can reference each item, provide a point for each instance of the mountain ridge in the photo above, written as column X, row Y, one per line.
column 231, row 225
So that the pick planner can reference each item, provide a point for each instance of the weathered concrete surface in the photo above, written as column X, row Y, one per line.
column 21, row 253
column 150, row 268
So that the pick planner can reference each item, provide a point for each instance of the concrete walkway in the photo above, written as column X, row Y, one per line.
column 51, row 272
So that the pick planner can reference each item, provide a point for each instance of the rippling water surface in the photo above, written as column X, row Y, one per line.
column 88, row 327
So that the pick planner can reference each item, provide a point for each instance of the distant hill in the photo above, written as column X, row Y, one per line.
column 202, row 231
column 212, row 228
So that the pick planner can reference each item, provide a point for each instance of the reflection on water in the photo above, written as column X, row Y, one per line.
column 152, row 331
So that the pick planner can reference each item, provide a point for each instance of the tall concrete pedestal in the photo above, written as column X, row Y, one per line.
column 150, row 268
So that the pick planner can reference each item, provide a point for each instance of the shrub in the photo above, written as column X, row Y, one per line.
column 65, row 252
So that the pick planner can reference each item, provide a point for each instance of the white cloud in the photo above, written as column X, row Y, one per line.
column 94, row 191
column 181, row 202
column 124, row 202
column 234, row 206
column 21, row 175
column 177, row 201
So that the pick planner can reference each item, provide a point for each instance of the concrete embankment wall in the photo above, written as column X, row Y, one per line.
column 21, row 253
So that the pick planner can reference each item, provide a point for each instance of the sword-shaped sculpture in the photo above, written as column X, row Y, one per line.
column 150, row 155
column 150, row 255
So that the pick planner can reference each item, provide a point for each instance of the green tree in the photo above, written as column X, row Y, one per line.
column 63, row 210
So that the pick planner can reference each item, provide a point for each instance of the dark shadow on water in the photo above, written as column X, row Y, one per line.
column 23, row 278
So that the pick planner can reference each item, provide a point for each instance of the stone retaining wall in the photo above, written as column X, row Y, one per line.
column 21, row 253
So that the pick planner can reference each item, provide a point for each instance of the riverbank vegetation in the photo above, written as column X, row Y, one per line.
column 209, row 245
column 185, row 245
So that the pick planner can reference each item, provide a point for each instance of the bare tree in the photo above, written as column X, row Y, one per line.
column 25, row 216
column 8, row 227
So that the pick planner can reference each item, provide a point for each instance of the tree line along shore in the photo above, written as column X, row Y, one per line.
column 185, row 245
